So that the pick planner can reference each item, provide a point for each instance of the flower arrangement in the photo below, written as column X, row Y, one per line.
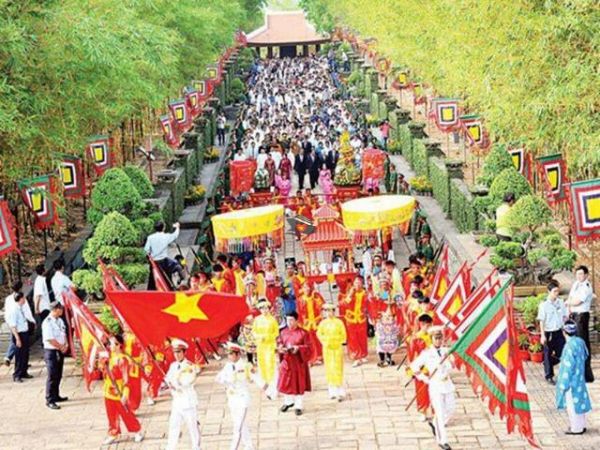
column 212, row 154
column 421, row 184
column 195, row 194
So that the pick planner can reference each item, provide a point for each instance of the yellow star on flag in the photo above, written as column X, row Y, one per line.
column 185, row 308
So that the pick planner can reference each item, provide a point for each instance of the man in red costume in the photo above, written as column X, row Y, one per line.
column 293, row 347
column 219, row 281
column 356, row 322
column 418, row 342
column 227, row 272
column 309, row 306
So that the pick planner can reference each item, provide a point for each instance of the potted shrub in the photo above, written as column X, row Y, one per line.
column 523, row 340
column 536, row 353
column 528, row 309
column 421, row 185
column 194, row 195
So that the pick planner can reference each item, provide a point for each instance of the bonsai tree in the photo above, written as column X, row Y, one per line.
column 508, row 180
column 115, row 192
column 529, row 213
column 140, row 180
column 495, row 162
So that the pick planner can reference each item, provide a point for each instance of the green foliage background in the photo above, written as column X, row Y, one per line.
column 73, row 68
column 530, row 67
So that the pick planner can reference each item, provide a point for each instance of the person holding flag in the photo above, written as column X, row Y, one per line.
column 332, row 334
column 417, row 343
column 116, row 392
column 134, row 351
column 180, row 378
column 435, row 362
column 236, row 376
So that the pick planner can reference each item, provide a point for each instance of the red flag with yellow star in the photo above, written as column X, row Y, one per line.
column 157, row 316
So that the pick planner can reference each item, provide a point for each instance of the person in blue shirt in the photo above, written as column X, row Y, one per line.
column 551, row 317
column 571, row 390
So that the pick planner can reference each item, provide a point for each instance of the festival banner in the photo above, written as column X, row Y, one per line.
column 401, row 80
column 553, row 173
column 472, row 127
column 180, row 113
column 383, row 65
column 168, row 128
column 72, row 176
column 241, row 176
column 488, row 351
column 192, row 99
column 212, row 73
column 99, row 150
column 373, row 166
column 419, row 97
column 445, row 111
column 521, row 158
column 178, row 314
column 471, row 309
column 38, row 195
column 585, row 202
column 93, row 337
column 442, row 276
column 8, row 241
column 202, row 87
column 455, row 296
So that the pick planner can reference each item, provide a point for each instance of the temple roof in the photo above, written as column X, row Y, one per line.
column 328, row 235
column 286, row 27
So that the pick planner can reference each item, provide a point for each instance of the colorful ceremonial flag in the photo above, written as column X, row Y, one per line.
column 202, row 87
column 419, row 97
column 193, row 101
column 383, row 65
column 38, row 195
column 472, row 126
column 455, row 296
column 585, row 203
column 241, row 176
column 180, row 113
column 373, row 166
column 178, row 314
column 92, row 336
column 471, row 309
column 488, row 352
column 522, row 161
column 553, row 172
column 401, row 80
column 8, row 241
column 111, row 280
column 171, row 139
column 212, row 73
column 442, row 277
column 72, row 176
column 445, row 112
column 100, row 155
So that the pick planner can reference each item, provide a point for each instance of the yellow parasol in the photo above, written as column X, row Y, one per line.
column 241, row 230
column 368, row 214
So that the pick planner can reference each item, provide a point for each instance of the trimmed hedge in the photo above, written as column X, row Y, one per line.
column 374, row 106
column 440, row 181
column 420, row 161
column 463, row 212
column 405, row 142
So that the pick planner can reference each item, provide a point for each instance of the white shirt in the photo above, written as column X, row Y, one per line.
column 260, row 160
column 15, row 318
column 582, row 291
column 40, row 288
column 552, row 314
column 9, row 303
column 53, row 328
column 182, row 390
column 157, row 244
column 431, row 359
column 236, row 377
column 239, row 157
column 60, row 284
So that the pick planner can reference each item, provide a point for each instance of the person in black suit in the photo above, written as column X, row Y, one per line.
column 300, row 168
column 331, row 160
column 313, row 165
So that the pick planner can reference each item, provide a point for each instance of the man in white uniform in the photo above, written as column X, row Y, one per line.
column 441, row 388
column 180, row 378
column 236, row 376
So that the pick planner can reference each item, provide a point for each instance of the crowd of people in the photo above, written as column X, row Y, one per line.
column 292, row 124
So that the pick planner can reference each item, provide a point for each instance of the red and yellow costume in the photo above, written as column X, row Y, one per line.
column 356, row 323
column 239, row 275
column 116, row 387
column 133, row 350
column 419, row 342
column 309, row 314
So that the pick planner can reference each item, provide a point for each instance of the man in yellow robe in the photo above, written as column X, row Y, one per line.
column 265, row 331
column 332, row 334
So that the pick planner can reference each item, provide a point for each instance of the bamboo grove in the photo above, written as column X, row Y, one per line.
column 529, row 67
column 74, row 68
